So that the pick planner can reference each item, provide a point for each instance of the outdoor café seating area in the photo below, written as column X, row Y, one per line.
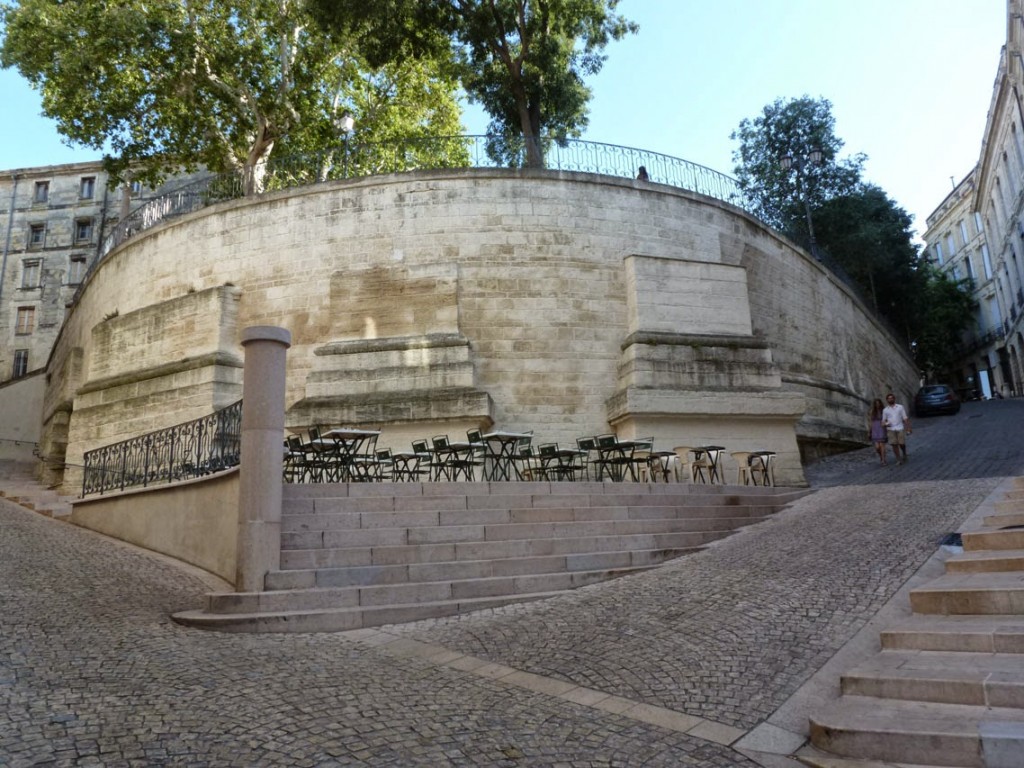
column 352, row 454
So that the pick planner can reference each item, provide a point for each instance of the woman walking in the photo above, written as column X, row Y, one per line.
column 876, row 429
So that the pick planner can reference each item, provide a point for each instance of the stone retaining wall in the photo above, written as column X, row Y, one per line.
column 563, row 303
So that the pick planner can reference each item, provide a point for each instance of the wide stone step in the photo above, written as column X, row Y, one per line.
column 989, row 634
column 1009, row 506
column 971, row 593
column 342, row 619
column 428, row 534
column 990, row 680
column 917, row 732
column 366, row 575
column 1004, row 520
column 975, row 541
column 397, row 551
column 349, row 520
column 986, row 561
column 400, row 594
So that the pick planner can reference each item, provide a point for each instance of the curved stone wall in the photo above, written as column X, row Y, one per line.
column 432, row 302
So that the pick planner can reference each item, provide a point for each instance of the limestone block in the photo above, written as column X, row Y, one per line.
column 676, row 296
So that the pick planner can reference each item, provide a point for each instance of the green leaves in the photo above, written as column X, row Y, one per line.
column 523, row 60
column 171, row 85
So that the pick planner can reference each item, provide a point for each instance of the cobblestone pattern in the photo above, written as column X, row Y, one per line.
column 730, row 633
column 93, row 672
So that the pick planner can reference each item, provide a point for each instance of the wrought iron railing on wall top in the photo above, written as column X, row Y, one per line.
column 189, row 450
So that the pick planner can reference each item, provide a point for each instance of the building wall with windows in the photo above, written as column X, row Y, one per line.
column 53, row 223
column 956, row 244
column 51, row 220
column 999, row 202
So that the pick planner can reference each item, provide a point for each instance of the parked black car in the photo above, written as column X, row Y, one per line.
column 936, row 398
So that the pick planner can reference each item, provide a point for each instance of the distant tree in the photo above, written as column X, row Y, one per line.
column 172, row 85
column 871, row 238
column 946, row 308
column 792, row 128
column 523, row 60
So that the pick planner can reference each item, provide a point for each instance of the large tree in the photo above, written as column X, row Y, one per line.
column 523, row 60
column 170, row 85
column 792, row 128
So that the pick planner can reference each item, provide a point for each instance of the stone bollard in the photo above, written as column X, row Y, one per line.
column 262, row 456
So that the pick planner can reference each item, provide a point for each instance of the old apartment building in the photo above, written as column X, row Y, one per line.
column 55, row 222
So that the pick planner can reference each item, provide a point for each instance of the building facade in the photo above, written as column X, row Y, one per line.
column 978, row 233
column 55, row 222
column 956, row 244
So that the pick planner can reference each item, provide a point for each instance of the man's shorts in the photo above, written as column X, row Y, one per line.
column 897, row 437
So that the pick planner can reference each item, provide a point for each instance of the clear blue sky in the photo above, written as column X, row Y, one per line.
column 910, row 82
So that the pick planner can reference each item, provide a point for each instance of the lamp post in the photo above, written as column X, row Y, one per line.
column 798, row 163
column 345, row 124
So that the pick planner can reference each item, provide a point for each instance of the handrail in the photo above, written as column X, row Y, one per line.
column 188, row 450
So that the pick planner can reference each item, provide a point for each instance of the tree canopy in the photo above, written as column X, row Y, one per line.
column 860, row 230
column 792, row 128
column 524, row 61
column 171, row 85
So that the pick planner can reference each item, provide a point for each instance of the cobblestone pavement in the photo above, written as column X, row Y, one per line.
column 93, row 671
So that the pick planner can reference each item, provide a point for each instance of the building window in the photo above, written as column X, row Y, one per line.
column 977, row 223
column 87, row 187
column 986, row 261
column 83, row 230
column 938, row 253
column 42, row 192
column 969, row 263
column 26, row 321
column 956, row 274
column 76, row 270
column 136, row 188
column 20, row 363
column 37, row 235
column 30, row 271
column 964, row 237
column 950, row 244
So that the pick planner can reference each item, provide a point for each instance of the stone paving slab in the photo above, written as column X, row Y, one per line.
column 665, row 668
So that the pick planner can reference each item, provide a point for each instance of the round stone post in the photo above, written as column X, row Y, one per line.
column 262, row 456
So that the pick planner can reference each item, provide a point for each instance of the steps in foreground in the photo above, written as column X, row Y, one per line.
column 355, row 556
column 925, row 733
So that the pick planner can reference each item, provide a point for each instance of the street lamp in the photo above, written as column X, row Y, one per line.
column 345, row 124
column 798, row 163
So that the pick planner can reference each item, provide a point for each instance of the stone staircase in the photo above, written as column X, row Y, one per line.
column 18, row 484
column 365, row 555
column 947, row 688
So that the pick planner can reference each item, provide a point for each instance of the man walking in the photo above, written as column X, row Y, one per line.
column 895, row 418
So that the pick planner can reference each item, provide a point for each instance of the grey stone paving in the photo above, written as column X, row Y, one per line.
column 93, row 671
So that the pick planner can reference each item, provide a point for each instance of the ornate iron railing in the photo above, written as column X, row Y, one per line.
column 353, row 160
column 193, row 449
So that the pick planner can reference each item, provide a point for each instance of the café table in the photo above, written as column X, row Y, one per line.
column 619, row 457
column 406, row 466
column 714, row 455
column 500, row 461
column 561, row 463
column 763, row 463
column 351, row 462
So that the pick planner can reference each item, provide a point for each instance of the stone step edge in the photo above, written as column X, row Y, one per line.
column 670, row 553
column 986, row 561
column 525, row 531
column 910, row 731
column 354, row 596
column 993, row 633
column 965, row 678
column 343, row 619
column 671, row 511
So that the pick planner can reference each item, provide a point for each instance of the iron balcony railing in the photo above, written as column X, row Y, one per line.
column 429, row 153
column 193, row 449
